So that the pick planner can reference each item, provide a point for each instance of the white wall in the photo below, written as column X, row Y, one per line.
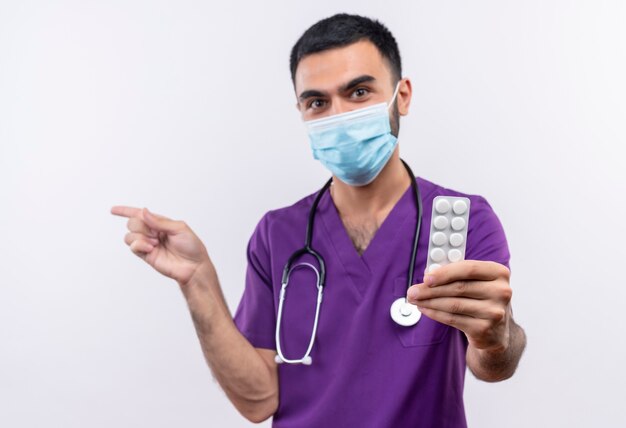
column 186, row 107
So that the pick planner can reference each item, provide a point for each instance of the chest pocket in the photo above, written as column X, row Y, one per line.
column 426, row 332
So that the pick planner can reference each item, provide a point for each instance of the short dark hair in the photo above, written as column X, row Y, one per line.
column 341, row 30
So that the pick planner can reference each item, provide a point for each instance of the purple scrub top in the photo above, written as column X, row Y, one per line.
column 367, row 371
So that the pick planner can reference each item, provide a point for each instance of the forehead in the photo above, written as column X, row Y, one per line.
column 333, row 67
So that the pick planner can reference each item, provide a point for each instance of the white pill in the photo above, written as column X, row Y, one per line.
column 433, row 266
column 456, row 239
column 458, row 223
column 442, row 206
column 439, row 238
column 440, row 222
column 437, row 255
column 454, row 255
column 459, row 207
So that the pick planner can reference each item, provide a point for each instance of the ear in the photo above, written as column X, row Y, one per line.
column 404, row 96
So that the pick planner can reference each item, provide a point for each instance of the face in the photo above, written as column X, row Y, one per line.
column 348, row 78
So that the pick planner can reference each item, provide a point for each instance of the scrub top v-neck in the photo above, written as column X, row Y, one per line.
column 360, row 267
column 367, row 371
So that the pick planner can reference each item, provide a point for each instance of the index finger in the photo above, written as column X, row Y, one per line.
column 466, row 270
column 124, row 211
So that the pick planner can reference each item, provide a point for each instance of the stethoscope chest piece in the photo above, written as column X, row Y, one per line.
column 404, row 313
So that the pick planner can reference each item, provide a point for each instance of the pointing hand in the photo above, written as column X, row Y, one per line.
column 169, row 246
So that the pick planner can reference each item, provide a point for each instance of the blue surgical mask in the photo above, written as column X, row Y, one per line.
column 356, row 145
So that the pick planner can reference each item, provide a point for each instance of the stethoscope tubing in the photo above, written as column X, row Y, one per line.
column 321, row 274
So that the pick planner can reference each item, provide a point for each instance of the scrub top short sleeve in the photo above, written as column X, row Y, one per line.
column 255, row 317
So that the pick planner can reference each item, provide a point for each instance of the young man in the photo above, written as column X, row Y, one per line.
column 364, row 370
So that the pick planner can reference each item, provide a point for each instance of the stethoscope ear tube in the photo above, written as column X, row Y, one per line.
column 306, row 359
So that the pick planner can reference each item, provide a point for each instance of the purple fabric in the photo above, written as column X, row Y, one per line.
column 367, row 371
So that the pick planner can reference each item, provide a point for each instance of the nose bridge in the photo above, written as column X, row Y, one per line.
column 338, row 105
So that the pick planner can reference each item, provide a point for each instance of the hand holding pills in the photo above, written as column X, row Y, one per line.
column 471, row 295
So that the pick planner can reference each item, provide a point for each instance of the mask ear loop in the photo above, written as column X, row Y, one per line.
column 395, row 92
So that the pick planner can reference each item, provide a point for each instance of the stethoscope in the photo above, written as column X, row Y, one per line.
column 402, row 312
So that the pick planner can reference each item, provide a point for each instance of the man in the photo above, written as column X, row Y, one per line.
column 366, row 370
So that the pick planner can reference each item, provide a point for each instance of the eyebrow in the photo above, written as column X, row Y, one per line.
column 343, row 88
column 356, row 82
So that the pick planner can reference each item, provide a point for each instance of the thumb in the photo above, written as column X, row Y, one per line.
column 160, row 223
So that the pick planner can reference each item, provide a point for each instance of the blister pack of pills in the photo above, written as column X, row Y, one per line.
column 448, row 231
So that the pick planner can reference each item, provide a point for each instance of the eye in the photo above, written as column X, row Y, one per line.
column 316, row 103
column 360, row 92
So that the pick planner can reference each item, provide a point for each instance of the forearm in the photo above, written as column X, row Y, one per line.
column 499, row 364
column 250, row 384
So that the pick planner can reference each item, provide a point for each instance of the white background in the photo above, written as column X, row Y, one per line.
column 187, row 107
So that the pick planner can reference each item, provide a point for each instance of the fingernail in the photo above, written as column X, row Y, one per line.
column 429, row 280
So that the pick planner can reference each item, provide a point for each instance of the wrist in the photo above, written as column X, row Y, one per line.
column 202, row 278
column 204, row 297
column 495, row 348
column 491, row 354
